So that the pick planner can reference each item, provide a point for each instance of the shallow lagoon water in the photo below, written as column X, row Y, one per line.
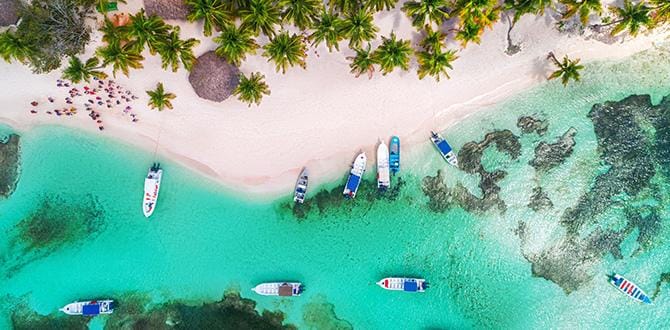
column 202, row 240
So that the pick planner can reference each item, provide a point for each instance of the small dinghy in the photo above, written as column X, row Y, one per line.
column 355, row 175
column 282, row 289
column 406, row 284
column 301, row 186
column 444, row 148
column 394, row 155
column 630, row 289
column 89, row 308
column 383, row 177
column 152, row 185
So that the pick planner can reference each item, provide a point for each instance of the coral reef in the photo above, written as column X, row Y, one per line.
column 9, row 165
column 548, row 156
column 529, row 124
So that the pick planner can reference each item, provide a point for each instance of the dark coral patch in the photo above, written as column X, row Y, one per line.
column 25, row 319
column 9, row 165
column 529, row 124
column 319, row 314
column 539, row 200
column 548, row 156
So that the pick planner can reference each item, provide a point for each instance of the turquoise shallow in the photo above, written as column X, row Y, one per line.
column 496, row 265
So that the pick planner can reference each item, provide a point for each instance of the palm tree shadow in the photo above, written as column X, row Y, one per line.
column 542, row 66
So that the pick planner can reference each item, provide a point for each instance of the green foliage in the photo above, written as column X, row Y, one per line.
column 235, row 43
column 660, row 11
column 77, row 71
column 286, row 50
column 423, row 12
column 435, row 63
column 566, row 70
column 301, row 13
column 159, row 99
column 327, row 28
column 251, row 89
column 392, row 53
column 14, row 48
column 359, row 27
column 51, row 30
column 363, row 62
column 469, row 32
column 122, row 58
column 583, row 8
column 523, row 7
column 145, row 31
column 631, row 17
column 173, row 51
column 114, row 34
column 260, row 16
column 211, row 12
column 345, row 6
column 379, row 5
column 433, row 39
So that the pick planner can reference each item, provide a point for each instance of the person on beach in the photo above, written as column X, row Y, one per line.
column 33, row 103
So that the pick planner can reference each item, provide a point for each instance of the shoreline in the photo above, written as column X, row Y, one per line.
column 308, row 120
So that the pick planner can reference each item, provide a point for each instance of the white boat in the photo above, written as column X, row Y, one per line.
column 630, row 289
column 89, row 308
column 405, row 284
column 444, row 148
column 383, row 169
column 283, row 289
column 152, row 185
column 355, row 175
column 301, row 186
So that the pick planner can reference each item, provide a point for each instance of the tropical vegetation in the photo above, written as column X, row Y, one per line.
column 78, row 71
column 566, row 70
column 362, row 62
column 423, row 12
column 174, row 51
column 392, row 53
column 251, row 89
column 327, row 29
column 213, row 13
column 359, row 27
column 286, row 50
column 121, row 57
column 160, row 99
column 234, row 43
column 143, row 30
column 435, row 62
column 260, row 16
column 301, row 13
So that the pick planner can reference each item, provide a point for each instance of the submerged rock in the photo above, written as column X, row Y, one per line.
column 548, row 156
column 664, row 278
column 539, row 200
column 9, row 165
column 320, row 314
column 529, row 124
column 23, row 318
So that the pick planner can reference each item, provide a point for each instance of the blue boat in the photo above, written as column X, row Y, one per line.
column 444, row 148
column 89, row 308
column 630, row 289
column 355, row 175
column 394, row 155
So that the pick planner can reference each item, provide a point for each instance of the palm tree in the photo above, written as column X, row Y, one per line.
column 379, row 5
column 359, row 27
column 286, row 50
column 435, row 63
column 631, row 17
column 392, row 53
column 260, row 16
column 523, row 7
column 327, row 29
column 251, row 90
column 661, row 11
column 112, row 33
column 159, row 99
column 345, row 6
column 566, row 70
column 146, row 31
column 235, row 43
column 212, row 12
column 301, row 13
column 423, row 12
column 469, row 32
column 583, row 8
column 173, row 51
column 78, row 71
column 362, row 62
column 433, row 39
column 13, row 48
column 121, row 57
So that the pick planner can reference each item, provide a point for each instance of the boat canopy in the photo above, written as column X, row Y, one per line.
column 90, row 309
column 410, row 286
column 353, row 181
column 445, row 148
column 285, row 290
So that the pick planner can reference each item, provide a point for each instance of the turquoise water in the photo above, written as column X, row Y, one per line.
column 202, row 241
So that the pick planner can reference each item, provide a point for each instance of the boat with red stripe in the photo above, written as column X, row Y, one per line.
column 406, row 284
column 629, row 288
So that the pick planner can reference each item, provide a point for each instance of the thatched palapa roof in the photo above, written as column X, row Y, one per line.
column 213, row 78
column 167, row 9
column 9, row 12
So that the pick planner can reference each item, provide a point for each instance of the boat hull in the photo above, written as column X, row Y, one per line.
column 89, row 308
column 405, row 284
column 152, row 184
column 355, row 175
column 283, row 289
column 383, row 170
column 394, row 155
column 444, row 148
column 630, row 289
column 300, row 190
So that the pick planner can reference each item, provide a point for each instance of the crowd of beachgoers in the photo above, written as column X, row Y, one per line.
column 97, row 98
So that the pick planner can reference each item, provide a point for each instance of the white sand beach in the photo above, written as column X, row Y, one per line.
column 318, row 117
